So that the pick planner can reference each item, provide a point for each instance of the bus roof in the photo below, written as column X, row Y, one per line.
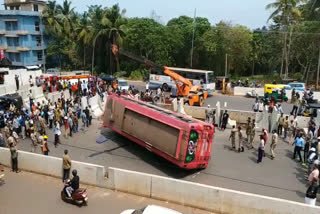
column 190, row 70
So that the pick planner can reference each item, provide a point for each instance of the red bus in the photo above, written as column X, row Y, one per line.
column 184, row 141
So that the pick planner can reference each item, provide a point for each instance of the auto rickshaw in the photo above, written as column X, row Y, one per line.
column 311, row 110
column 276, row 91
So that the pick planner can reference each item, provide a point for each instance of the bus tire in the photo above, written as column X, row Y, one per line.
column 165, row 87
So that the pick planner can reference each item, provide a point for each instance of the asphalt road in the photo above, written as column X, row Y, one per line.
column 33, row 193
column 282, row 177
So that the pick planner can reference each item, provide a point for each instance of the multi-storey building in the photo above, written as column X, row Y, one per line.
column 22, row 32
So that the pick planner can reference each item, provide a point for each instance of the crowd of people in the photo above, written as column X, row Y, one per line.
column 64, row 117
column 306, row 142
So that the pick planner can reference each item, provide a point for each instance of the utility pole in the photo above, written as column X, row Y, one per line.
column 193, row 30
column 226, row 66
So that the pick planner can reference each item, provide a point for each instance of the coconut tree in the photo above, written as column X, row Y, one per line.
column 287, row 12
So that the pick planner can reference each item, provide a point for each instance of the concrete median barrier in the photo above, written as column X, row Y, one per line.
column 89, row 173
column 214, row 199
column 84, row 102
column 94, row 103
column 129, row 181
column 2, row 90
column 37, row 93
column 242, row 91
column 11, row 89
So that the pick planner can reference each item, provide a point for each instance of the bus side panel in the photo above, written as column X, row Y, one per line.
column 154, row 133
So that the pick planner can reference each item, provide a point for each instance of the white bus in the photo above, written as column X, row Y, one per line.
column 197, row 77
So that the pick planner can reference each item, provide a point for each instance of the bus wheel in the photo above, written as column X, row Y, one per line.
column 165, row 87
column 201, row 101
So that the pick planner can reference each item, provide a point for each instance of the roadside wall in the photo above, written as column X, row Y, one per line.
column 89, row 173
column 242, row 91
column 214, row 199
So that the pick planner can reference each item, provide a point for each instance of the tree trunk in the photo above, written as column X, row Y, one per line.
column 252, row 68
column 92, row 63
column 282, row 62
column 84, row 57
column 288, row 54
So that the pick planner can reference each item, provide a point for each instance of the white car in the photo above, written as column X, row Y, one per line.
column 151, row 209
column 123, row 85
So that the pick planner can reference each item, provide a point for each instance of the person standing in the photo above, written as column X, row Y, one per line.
column 87, row 112
column 70, row 123
column 281, row 123
column 299, row 143
column 252, row 134
column 57, row 133
column 261, row 149
column 16, row 77
column 66, row 166
column 240, row 136
column 31, row 83
column 75, row 123
column 66, row 127
column 274, row 141
column 306, row 151
column 34, row 141
column 261, row 106
column 44, row 145
column 286, row 128
column 249, row 130
column 50, row 116
column 225, row 118
column 311, row 194
column 14, row 157
column 233, row 137
column 84, row 119
column 255, row 106
column 296, row 104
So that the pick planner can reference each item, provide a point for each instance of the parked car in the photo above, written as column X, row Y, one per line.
column 123, row 85
column 298, row 86
column 52, row 71
column 151, row 209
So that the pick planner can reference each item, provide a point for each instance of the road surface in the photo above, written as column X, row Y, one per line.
column 33, row 193
column 282, row 177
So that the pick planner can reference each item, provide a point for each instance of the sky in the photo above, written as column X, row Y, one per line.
column 250, row 13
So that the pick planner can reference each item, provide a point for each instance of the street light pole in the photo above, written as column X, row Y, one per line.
column 226, row 66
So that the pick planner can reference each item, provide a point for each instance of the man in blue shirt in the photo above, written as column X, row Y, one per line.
column 299, row 143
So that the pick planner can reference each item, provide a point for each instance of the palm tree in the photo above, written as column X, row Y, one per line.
column 84, row 34
column 287, row 12
column 51, row 18
column 66, row 15
column 100, row 27
column 117, row 32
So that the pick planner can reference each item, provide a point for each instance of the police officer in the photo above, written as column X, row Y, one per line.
column 252, row 134
column 248, row 130
column 233, row 137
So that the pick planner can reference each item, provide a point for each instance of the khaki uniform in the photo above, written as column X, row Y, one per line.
column 252, row 135
column 7, row 132
column 34, row 142
column 240, row 148
column 10, row 140
column 273, row 144
column 233, row 137
column 248, row 132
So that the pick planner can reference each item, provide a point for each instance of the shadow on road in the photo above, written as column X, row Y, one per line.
column 144, row 155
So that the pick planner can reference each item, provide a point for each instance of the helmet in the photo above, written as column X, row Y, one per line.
column 74, row 172
column 45, row 137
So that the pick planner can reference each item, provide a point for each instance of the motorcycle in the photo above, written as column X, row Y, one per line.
column 79, row 196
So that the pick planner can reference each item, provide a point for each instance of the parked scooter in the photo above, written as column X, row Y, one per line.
column 79, row 196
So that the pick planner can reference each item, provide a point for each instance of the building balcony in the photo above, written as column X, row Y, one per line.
column 22, row 32
column 3, row 47
column 19, row 13
column 23, row 49
column 2, row 32
column 11, row 34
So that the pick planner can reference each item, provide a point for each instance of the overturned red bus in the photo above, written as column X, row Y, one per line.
column 184, row 141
